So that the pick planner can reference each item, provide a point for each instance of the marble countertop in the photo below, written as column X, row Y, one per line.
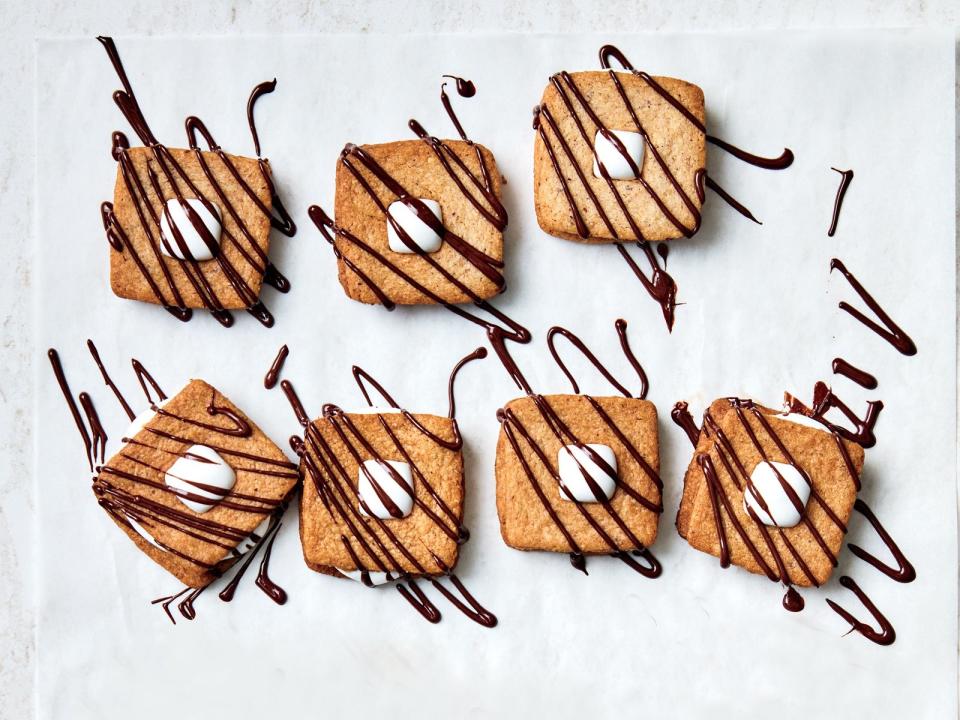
column 22, row 23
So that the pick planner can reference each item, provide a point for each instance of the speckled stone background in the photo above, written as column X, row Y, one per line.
column 22, row 22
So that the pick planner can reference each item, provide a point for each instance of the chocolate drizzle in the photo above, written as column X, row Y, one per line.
column 885, row 635
column 860, row 377
column 341, row 498
column 824, row 400
column 270, row 379
column 846, row 177
column 108, row 381
column 477, row 354
column 88, row 443
column 681, row 417
column 163, row 169
column 659, row 285
column 904, row 572
column 890, row 331
column 515, row 432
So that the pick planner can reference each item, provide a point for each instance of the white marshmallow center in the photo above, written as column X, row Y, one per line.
column 398, row 494
column 253, row 538
column 201, row 472
column 138, row 423
column 765, row 484
column 574, row 461
column 142, row 532
column 613, row 160
column 422, row 235
column 376, row 577
column 196, row 247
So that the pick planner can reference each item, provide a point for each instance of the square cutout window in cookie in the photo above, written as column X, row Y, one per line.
column 769, row 492
column 382, row 496
column 194, row 479
column 554, row 494
column 627, row 122
column 419, row 222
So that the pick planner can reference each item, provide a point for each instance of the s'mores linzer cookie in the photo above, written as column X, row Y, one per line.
column 190, row 228
column 771, row 492
column 418, row 221
column 619, row 155
column 383, row 497
column 195, row 484
column 580, row 474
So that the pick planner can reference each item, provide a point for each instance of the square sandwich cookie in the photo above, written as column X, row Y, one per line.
column 383, row 495
column 615, row 158
column 419, row 222
column 195, row 483
column 578, row 474
column 189, row 229
column 769, row 492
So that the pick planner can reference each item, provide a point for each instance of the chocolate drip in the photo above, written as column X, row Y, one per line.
column 793, row 601
column 465, row 88
column 729, row 199
column 825, row 400
column 681, row 416
column 98, row 434
column 263, row 88
column 782, row 162
column 890, row 331
column 469, row 605
column 275, row 279
column 420, row 602
column 514, row 430
column 264, row 582
column 108, row 381
column 860, row 377
column 846, row 177
column 182, row 189
column 144, row 377
column 904, row 572
column 886, row 635
column 185, row 607
column 359, row 375
column 270, row 379
column 271, row 589
column 275, row 593
column 621, row 326
column 477, row 354
column 295, row 403
column 660, row 286
column 650, row 567
column 115, row 235
column 741, row 479
column 71, row 404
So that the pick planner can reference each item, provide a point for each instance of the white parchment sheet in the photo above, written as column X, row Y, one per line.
column 760, row 317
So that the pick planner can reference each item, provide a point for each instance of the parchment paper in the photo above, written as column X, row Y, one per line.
column 760, row 317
